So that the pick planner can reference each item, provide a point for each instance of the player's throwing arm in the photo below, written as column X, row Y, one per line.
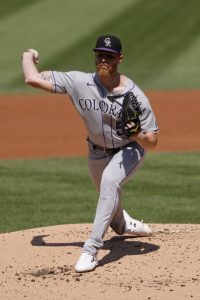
column 32, row 76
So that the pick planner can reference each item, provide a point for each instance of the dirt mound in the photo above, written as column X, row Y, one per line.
column 39, row 264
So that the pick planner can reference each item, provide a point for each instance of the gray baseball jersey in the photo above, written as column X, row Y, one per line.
column 100, row 109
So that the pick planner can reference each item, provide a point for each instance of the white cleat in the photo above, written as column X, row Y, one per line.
column 86, row 263
column 135, row 227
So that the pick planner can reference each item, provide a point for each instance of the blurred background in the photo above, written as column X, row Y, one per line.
column 161, row 39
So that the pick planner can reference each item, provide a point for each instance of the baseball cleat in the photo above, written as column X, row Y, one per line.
column 135, row 227
column 86, row 263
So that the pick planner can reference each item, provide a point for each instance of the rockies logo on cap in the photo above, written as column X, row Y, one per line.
column 109, row 43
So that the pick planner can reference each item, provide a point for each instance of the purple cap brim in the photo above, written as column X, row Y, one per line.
column 106, row 49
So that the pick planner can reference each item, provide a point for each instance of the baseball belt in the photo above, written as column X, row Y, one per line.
column 107, row 150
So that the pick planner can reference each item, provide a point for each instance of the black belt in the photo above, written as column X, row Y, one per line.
column 107, row 150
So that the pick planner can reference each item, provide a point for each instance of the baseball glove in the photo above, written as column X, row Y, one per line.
column 131, row 112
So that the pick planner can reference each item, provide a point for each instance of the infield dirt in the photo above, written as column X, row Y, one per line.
column 48, row 126
column 39, row 263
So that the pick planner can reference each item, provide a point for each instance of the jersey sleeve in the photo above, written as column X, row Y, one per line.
column 63, row 82
column 148, row 120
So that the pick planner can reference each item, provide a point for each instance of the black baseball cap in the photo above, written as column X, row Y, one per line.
column 109, row 43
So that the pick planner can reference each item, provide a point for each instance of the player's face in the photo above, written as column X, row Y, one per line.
column 107, row 62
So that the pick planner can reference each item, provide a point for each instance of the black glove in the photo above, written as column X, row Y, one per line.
column 131, row 112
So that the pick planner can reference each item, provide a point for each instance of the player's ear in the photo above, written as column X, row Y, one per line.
column 121, row 58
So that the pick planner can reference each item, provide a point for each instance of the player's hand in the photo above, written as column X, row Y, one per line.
column 133, row 128
column 34, row 55
column 129, row 125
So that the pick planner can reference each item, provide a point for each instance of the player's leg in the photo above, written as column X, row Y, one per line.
column 109, row 173
column 109, row 212
column 121, row 222
column 96, row 168
column 97, row 162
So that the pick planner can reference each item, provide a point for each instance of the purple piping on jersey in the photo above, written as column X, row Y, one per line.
column 112, row 131
column 136, row 166
column 131, row 88
column 101, row 111
column 103, row 130
column 54, row 82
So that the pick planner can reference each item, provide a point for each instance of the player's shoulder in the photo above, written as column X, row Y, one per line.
column 74, row 75
column 140, row 94
column 79, row 74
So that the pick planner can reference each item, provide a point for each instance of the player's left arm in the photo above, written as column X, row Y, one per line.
column 147, row 135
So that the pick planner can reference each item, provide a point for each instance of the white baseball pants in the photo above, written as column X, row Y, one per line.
column 109, row 173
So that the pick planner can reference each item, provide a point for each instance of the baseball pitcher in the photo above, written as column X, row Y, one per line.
column 121, row 125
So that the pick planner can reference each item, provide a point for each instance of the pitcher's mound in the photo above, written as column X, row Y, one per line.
column 39, row 264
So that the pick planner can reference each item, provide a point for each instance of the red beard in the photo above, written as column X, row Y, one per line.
column 103, row 70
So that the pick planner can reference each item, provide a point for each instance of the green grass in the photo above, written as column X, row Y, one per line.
column 161, row 39
column 167, row 189
column 36, row 193
column 43, row 192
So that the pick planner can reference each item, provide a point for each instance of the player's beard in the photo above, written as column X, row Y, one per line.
column 104, row 71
